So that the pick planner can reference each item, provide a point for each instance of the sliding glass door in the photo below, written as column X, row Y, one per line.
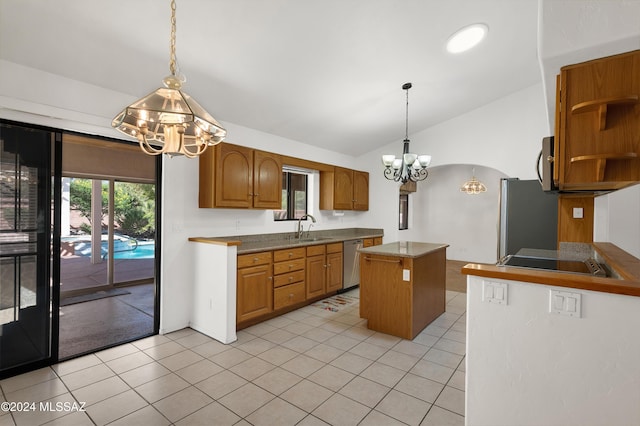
column 25, row 247
column 108, row 285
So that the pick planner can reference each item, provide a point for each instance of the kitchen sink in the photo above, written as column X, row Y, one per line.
column 310, row 240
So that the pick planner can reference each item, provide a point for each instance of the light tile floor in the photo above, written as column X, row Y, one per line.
column 308, row 367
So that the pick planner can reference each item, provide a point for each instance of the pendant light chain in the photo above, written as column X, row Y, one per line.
column 406, row 119
column 172, row 45
column 168, row 121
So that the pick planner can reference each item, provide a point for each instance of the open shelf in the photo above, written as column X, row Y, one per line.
column 601, row 160
column 601, row 105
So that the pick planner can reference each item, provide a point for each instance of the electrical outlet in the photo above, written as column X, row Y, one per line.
column 493, row 292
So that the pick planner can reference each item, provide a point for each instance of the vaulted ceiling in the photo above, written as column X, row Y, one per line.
column 323, row 72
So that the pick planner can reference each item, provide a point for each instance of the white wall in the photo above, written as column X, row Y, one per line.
column 617, row 219
column 468, row 223
column 526, row 366
column 570, row 32
column 500, row 139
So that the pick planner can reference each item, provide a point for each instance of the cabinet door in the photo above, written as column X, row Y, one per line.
column 334, row 272
column 599, row 132
column 360, row 190
column 316, row 273
column 255, row 292
column 267, row 180
column 234, row 176
column 343, row 189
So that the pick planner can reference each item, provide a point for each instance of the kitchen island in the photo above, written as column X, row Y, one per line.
column 402, row 286
column 554, row 347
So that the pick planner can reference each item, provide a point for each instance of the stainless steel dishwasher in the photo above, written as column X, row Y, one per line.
column 351, row 264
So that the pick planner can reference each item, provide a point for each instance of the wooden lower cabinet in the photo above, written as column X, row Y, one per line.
column 316, row 275
column 255, row 292
column 281, row 280
column 288, row 295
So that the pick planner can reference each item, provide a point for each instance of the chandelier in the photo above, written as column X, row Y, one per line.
column 409, row 167
column 473, row 186
column 168, row 121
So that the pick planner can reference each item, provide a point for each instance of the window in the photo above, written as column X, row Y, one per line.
column 294, row 196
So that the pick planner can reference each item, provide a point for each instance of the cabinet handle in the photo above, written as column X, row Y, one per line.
column 270, row 278
column 290, row 254
column 290, row 278
column 328, row 265
column 250, row 194
column 255, row 259
column 255, row 195
column 290, row 295
column 290, row 266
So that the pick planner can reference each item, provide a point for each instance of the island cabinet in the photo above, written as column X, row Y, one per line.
column 402, row 286
column 344, row 189
column 254, row 286
column 597, row 130
column 240, row 177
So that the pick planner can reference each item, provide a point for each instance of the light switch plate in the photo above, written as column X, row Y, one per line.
column 406, row 275
column 565, row 303
column 494, row 292
column 578, row 213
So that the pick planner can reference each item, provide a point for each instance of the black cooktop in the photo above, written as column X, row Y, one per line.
column 574, row 266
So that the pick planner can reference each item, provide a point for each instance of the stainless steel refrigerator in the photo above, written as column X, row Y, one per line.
column 528, row 217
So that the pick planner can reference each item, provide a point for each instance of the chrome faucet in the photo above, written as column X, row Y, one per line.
column 300, row 228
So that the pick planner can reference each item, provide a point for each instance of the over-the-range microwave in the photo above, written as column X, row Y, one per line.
column 546, row 159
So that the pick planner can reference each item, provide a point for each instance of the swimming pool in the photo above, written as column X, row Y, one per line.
column 145, row 250
column 124, row 248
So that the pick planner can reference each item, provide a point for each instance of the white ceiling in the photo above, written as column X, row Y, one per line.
column 322, row 72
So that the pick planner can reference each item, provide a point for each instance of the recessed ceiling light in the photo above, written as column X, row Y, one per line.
column 466, row 38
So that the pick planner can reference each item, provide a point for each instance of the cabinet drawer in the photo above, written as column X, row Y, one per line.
column 254, row 259
column 334, row 248
column 288, row 254
column 288, row 295
column 284, row 279
column 315, row 250
column 290, row 266
column 367, row 242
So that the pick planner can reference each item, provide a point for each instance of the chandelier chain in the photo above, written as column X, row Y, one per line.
column 406, row 119
column 172, row 44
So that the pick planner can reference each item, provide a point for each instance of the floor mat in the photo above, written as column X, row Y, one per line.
column 335, row 303
column 93, row 296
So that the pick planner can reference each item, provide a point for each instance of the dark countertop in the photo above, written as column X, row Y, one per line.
column 404, row 249
column 267, row 242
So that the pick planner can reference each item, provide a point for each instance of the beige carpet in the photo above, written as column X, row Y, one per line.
column 456, row 281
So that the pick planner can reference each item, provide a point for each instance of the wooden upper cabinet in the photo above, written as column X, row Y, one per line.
column 598, row 133
column 344, row 189
column 233, row 176
column 360, row 190
column 239, row 177
column 267, row 180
